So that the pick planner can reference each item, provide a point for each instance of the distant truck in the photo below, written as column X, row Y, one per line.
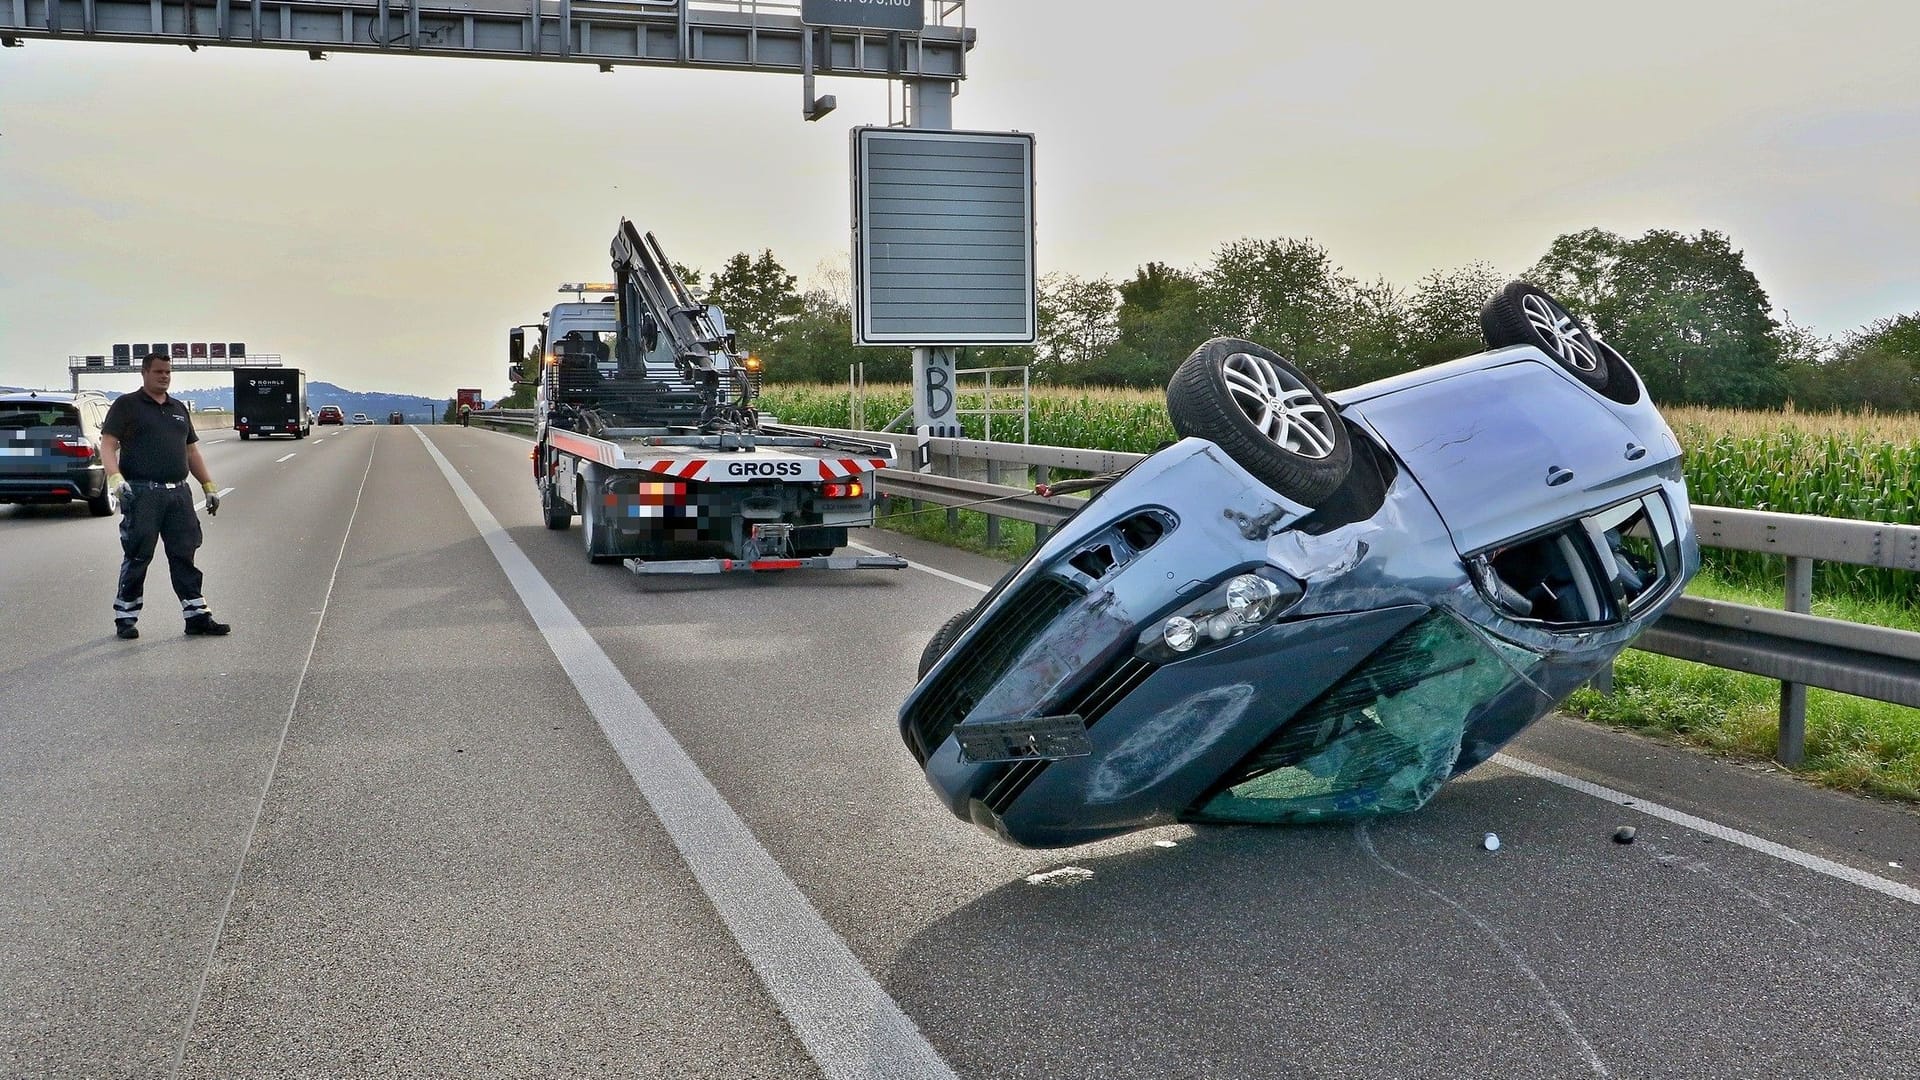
column 469, row 398
column 270, row 401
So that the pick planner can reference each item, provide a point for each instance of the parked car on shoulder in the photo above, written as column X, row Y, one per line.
column 1315, row 607
column 331, row 414
column 361, row 418
column 50, row 449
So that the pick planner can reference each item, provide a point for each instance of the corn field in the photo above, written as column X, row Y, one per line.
column 1849, row 465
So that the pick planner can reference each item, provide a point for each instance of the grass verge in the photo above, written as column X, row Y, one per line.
column 1853, row 744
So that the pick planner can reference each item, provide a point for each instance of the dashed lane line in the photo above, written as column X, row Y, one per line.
column 849, row 1025
column 277, row 461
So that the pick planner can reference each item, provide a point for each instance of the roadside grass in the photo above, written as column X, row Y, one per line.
column 1853, row 744
column 930, row 523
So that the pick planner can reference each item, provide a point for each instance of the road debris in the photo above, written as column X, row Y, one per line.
column 1491, row 841
column 1625, row 834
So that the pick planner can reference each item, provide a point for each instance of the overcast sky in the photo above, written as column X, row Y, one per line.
column 381, row 221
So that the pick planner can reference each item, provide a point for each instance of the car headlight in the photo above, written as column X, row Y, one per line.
column 1237, row 607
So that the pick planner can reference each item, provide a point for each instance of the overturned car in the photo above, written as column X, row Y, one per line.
column 1315, row 607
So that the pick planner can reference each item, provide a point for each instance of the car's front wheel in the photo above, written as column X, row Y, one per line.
column 1266, row 414
column 943, row 640
column 1523, row 314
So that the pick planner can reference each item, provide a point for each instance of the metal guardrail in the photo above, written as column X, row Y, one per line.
column 1790, row 645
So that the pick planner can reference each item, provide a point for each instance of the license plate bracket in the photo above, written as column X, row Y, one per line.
column 1029, row 738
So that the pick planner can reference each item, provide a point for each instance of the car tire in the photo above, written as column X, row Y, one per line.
column 589, row 525
column 943, row 640
column 1266, row 414
column 1523, row 314
column 104, row 506
column 558, row 514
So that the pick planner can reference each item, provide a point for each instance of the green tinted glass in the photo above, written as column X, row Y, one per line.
column 1381, row 741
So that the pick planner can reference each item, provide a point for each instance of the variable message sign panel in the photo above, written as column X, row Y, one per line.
column 943, row 237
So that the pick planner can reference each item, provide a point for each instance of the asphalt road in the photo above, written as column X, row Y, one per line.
column 419, row 817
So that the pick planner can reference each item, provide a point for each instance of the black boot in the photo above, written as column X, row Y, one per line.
column 203, row 624
column 126, row 629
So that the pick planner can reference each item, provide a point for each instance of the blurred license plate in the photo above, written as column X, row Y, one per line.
column 1050, row 738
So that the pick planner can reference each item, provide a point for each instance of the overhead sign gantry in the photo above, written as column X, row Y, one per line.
column 921, row 40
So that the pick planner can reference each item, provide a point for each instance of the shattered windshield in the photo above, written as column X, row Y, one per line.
column 1380, row 741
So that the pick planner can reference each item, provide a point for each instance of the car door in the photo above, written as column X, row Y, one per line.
column 1505, row 450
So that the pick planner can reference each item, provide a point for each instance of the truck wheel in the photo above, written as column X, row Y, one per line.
column 590, row 524
column 244, row 436
column 1266, row 414
column 943, row 640
column 558, row 514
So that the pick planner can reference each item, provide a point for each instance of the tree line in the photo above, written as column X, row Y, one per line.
column 1685, row 310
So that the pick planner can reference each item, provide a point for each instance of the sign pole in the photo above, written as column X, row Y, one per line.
column 935, row 393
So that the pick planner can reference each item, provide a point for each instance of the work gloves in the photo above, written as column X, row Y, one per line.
column 213, row 498
column 122, row 491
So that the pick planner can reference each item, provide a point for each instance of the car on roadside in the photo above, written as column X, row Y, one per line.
column 331, row 414
column 1315, row 607
column 396, row 417
column 361, row 418
column 50, row 449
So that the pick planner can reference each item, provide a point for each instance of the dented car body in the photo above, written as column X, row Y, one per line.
column 1195, row 645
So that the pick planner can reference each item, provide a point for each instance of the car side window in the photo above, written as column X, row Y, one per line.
column 1601, row 568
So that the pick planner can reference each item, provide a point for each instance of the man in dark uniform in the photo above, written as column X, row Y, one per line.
column 148, row 446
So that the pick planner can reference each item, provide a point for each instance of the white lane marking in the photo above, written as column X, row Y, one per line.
column 1711, row 828
column 1560, row 1014
column 1818, row 865
column 273, row 767
column 941, row 574
column 223, row 493
column 279, row 460
column 846, row 1021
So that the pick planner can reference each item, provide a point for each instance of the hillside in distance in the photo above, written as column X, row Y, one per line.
column 374, row 404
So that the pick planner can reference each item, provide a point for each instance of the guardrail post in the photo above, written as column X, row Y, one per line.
column 953, row 516
column 1793, row 696
column 1040, row 532
column 993, row 520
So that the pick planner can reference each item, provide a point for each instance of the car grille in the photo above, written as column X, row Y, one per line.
column 1093, row 701
column 994, row 647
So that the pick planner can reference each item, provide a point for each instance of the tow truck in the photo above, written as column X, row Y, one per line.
column 645, row 427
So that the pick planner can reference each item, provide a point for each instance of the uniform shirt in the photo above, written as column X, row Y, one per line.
column 153, row 437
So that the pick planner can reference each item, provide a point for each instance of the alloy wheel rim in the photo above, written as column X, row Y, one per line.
column 1279, row 405
column 1561, row 334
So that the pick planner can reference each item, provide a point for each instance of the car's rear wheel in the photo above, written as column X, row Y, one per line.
column 943, row 640
column 107, row 504
column 1523, row 314
column 1266, row 414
